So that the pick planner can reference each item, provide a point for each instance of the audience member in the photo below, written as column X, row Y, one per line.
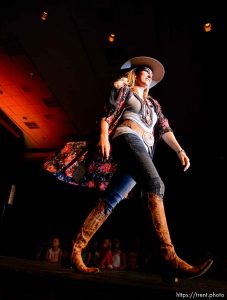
column 54, row 253
column 118, row 256
column 105, row 254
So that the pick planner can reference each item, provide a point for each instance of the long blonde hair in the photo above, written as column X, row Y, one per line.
column 130, row 79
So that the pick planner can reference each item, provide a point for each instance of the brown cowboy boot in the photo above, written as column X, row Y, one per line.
column 91, row 224
column 175, row 265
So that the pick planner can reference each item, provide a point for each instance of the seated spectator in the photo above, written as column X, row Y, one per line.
column 105, row 255
column 54, row 252
column 118, row 256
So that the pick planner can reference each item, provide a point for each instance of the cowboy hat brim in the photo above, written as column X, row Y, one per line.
column 156, row 67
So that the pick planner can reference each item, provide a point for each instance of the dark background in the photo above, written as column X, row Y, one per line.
column 192, row 95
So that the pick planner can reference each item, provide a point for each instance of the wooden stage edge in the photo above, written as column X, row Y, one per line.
column 37, row 280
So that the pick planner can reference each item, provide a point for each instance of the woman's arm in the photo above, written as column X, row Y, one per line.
column 104, row 143
column 172, row 142
column 113, row 110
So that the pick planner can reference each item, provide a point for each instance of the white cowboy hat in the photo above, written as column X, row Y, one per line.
column 156, row 67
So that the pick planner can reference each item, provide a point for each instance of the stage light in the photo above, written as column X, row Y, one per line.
column 44, row 15
column 111, row 38
column 207, row 27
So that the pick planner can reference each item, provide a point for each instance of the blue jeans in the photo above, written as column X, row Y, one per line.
column 135, row 167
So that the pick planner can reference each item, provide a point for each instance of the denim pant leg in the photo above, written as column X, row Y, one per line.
column 118, row 189
column 133, row 157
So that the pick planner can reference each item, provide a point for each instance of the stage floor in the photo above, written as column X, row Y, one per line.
column 37, row 280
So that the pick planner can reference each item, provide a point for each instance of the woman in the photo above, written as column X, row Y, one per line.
column 131, row 125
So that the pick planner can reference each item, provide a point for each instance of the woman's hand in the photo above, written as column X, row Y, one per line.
column 171, row 140
column 104, row 146
column 185, row 161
